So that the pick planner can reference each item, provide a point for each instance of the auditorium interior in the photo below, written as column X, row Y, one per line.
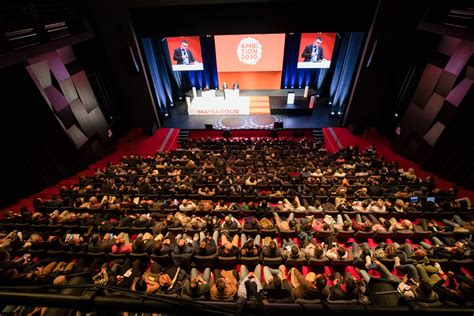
column 232, row 157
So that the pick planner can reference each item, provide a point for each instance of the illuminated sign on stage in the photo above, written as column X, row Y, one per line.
column 209, row 104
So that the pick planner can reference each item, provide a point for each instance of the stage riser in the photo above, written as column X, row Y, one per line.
column 292, row 112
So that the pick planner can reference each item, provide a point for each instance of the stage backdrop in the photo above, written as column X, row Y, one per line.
column 255, row 61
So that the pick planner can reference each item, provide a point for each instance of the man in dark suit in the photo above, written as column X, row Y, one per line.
column 183, row 55
column 314, row 52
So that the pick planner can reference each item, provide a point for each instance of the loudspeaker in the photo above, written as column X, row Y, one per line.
column 278, row 125
column 209, row 126
column 356, row 129
column 149, row 130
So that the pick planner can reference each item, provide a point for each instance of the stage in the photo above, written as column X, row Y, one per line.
column 251, row 102
column 320, row 117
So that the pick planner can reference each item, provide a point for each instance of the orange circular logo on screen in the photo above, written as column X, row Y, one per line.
column 249, row 51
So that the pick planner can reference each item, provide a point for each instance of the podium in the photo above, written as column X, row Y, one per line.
column 209, row 94
column 231, row 94
column 291, row 98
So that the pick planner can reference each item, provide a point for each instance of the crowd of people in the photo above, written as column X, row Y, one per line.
column 273, row 219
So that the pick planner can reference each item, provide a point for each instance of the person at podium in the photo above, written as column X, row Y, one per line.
column 224, row 86
column 182, row 55
column 236, row 86
column 314, row 52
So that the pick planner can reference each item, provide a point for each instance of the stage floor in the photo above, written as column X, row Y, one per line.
column 260, row 116
column 319, row 118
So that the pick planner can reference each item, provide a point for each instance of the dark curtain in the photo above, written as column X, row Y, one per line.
column 346, row 62
column 157, row 66
column 208, row 76
column 36, row 153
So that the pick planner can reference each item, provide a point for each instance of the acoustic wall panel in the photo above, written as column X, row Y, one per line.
column 431, row 137
column 85, row 91
column 66, row 54
column 38, row 84
column 448, row 45
column 456, row 95
column 430, row 111
column 83, row 118
column 71, row 97
column 68, row 89
column 460, row 57
column 470, row 72
column 446, row 83
column 431, row 128
column 77, row 136
column 57, row 67
column 41, row 73
column 58, row 100
column 427, row 85
column 67, row 117
column 100, row 123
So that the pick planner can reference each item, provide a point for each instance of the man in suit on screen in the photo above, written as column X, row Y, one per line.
column 183, row 55
column 314, row 52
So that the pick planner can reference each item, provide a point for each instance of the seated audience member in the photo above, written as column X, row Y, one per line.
column 197, row 286
column 286, row 225
column 420, row 292
column 187, row 206
column 251, row 247
column 122, row 246
column 276, row 285
column 310, row 287
column 290, row 250
column 354, row 290
column 228, row 250
column 271, row 250
column 205, row 245
column 249, row 279
column 206, row 192
column 225, row 286
column 182, row 253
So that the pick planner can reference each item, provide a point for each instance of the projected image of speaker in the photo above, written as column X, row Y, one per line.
column 209, row 127
column 278, row 125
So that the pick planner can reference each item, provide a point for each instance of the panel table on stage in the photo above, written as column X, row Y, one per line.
column 210, row 104
column 318, row 64
column 195, row 66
